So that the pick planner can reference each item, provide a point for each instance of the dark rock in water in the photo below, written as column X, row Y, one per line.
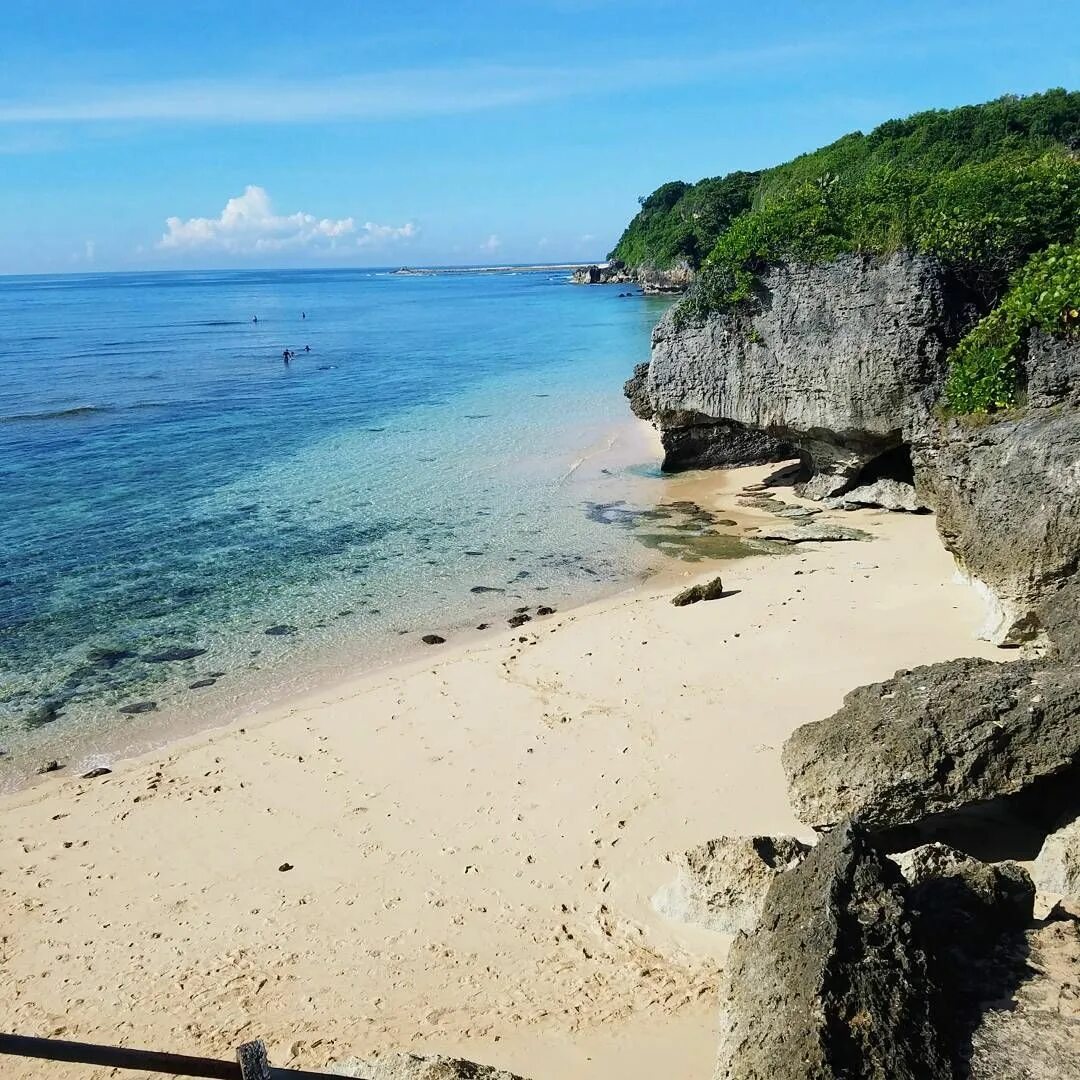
column 711, row 590
column 485, row 589
column 545, row 610
column 139, row 707
column 482, row 626
column 108, row 658
column 835, row 981
column 934, row 739
column 169, row 655
column 519, row 619
column 93, row 774
column 48, row 767
column 281, row 630
column 45, row 713
column 216, row 674
column 198, row 684
column 433, row 639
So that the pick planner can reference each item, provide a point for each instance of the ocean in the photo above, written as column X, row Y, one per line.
column 188, row 520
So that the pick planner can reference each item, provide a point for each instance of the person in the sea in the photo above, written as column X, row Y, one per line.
column 303, row 314
column 254, row 318
column 307, row 348
column 286, row 356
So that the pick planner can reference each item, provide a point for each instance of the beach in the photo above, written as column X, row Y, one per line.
column 457, row 854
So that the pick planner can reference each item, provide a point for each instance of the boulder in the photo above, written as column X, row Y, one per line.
column 1057, row 867
column 1007, row 497
column 834, row 982
column 417, row 1067
column 934, row 739
column 709, row 590
column 721, row 884
column 888, row 494
column 845, row 360
column 717, row 444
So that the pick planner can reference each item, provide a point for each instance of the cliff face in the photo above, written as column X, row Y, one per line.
column 845, row 360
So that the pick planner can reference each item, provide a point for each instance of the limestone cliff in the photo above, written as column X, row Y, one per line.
column 845, row 360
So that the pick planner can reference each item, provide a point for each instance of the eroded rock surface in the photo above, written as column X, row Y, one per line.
column 845, row 360
column 934, row 739
column 418, row 1067
column 1057, row 867
column 722, row 883
column 835, row 982
column 1007, row 497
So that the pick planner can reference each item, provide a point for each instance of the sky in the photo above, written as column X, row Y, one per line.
column 164, row 134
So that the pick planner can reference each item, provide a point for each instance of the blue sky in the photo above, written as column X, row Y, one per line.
column 164, row 134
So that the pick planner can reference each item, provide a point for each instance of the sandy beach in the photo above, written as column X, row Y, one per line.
column 458, row 854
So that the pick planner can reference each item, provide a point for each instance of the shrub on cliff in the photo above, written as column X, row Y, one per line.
column 982, row 186
column 1044, row 294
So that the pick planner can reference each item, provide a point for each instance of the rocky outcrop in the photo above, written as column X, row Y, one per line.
column 1050, row 371
column 1007, row 497
column 721, row 884
column 1057, row 867
column 845, row 360
column 609, row 273
column 935, row 739
column 835, row 981
column 418, row 1067
column 888, row 494
column 672, row 279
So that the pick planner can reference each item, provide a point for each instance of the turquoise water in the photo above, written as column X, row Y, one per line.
column 170, row 486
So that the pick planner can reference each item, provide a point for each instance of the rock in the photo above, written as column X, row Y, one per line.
column 519, row 619
column 433, row 639
column 636, row 391
column 93, row 774
column 167, row 656
column 1033, row 1031
column 834, row 982
column 199, row 684
column 48, row 767
column 417, row 1067
column 846, row 359
column 108, row 658
column 887, row 494
column 281, row 630
column 1057, row 867
column 812, row 533
column 485, row 589
column 1007, row 497
column 965, row 899
column 285, row 867
column 45, row 713
column 138, row 707
column 1050, row 371
column 710, row 590
column 1055, row 620
column 722, row 883
column 482, row 626
column 545, row 610
column 672, row 279
column 609, row 273
column 934, row 739
column 692, row 442
column 796, row 512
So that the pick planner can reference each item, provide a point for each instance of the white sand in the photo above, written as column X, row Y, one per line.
column 474, row 837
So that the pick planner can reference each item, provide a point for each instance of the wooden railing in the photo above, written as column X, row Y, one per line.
column 251, row 1061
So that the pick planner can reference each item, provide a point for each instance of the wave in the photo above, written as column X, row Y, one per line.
column 76, row 412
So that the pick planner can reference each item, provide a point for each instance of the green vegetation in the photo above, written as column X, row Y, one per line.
column 983, row 186
column 1044, row 294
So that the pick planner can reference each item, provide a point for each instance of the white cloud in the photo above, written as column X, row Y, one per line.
column 491, row 244
column 390, row 94
column 248, row 226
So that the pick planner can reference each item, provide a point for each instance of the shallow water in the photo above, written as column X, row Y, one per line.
column 172, row 491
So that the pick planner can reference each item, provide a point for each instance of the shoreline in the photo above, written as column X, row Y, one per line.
column 472, row 838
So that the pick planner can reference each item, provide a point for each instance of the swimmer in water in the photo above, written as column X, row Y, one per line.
column 307, row 348
column 254, row 318
column 286, row 356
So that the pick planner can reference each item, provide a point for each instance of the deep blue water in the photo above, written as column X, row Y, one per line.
column 167, row 482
